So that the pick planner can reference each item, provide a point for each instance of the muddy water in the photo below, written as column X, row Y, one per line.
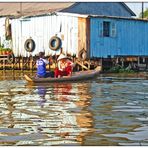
column 109, row 110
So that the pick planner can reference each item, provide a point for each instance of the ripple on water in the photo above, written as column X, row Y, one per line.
column 137, row 135
column 11, row 130
column 110, row 111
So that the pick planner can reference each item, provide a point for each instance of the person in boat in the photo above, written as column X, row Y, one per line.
column 41, row 67
column 65, row 66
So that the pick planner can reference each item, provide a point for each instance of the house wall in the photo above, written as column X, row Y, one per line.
column 128, row 38
column 84, row 34
column 41, row 29
column 2, row 30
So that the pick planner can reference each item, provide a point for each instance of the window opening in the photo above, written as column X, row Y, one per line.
column 106, row 29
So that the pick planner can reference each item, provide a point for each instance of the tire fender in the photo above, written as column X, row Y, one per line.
column 54, row 43
column 82, row 55
column 10, row 58
column 29, row 45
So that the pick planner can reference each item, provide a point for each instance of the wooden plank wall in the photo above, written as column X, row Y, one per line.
column 84, row 35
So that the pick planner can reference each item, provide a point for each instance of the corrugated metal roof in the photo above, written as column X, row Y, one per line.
column 72, row 14
column 118, row 17
column 101, row 8
column 17, row 9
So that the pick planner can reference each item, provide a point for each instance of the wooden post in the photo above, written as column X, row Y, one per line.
column 32, row 64
column 122, row 62
column 138, row 60
column 22, row 64
column 13, row 64
column 19, row 61
column 3, row 64
column 89, row 64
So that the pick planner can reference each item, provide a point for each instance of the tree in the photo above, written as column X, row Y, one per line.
column 145, row 14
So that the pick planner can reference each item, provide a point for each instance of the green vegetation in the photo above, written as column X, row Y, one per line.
column 5, row 51
column 119, row 69
column 145, row 14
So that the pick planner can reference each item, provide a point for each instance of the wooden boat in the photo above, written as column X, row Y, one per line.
column 76, row 76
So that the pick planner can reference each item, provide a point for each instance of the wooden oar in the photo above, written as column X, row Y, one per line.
column 81, row 65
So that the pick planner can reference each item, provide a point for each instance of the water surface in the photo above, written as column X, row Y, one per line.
column 109, row 110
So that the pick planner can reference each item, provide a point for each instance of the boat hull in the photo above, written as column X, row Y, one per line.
column 77, row 76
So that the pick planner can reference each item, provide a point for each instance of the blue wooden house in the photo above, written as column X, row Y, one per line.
column 102, row 31
column 114, row 36
column 110, row 30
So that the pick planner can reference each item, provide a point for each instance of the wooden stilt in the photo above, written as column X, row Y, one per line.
column 22, row 63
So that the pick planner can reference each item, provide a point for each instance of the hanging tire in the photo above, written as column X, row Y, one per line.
column 10, row 58
column 29, row 45
column 82, row 55
column 54, row 43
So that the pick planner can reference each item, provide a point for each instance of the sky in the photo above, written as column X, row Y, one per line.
column 137, row 7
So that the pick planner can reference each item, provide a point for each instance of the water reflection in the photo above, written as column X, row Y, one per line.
column 42, row 92
column 10, row 75
column 55, row 114
column 105, row 111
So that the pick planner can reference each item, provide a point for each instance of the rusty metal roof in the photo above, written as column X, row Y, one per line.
column 18, row 9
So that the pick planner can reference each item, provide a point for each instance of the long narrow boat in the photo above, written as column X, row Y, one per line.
column 76, row 76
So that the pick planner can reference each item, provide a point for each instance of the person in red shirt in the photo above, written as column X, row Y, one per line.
column 65, row 66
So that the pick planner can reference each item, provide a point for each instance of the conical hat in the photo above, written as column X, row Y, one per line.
column 62, row 56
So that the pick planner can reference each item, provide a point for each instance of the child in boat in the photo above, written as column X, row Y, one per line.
column 41, row 67
column 65, row 66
